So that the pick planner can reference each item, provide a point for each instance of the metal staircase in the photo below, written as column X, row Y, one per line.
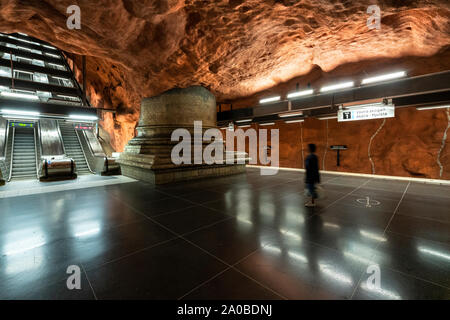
column 73, row 148
column 24, row 154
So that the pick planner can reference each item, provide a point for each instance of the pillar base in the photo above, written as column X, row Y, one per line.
column 163, row 176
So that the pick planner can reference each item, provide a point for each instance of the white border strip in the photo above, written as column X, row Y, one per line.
column 364, row 175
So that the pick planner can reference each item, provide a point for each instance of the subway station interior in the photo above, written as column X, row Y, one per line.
column 161, row 150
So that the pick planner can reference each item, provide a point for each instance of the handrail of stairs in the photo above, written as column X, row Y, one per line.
column 12, row 154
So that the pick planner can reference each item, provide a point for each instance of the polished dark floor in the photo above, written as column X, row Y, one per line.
column 240, row 237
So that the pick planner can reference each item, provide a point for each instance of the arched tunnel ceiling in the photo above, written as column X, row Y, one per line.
column 236, row 48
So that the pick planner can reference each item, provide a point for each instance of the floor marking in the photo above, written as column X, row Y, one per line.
column 90, row 285
column 396, row 208
column 368, row 202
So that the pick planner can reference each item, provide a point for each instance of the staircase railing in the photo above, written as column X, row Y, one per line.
column 37, row 156
column 12, row 154
column 84, row 153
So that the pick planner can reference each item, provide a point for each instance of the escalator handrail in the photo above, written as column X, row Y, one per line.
column 82, row 149
column 6, row 140
column 36, row 134
column 12, row 154
column 61, row 137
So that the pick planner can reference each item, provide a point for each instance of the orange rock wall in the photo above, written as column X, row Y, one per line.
column 407, row 145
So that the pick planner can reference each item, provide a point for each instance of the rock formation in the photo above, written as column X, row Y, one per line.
column 236, row 48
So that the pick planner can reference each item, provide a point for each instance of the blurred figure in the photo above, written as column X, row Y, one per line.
column 312, row 174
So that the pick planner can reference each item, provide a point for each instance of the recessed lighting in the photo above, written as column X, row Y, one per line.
column 291, row 114
column 384, row 77
column 328, row 118
column 19, row 95
column 300, row 93
column 244, row 120
column 434, row 107
column 295, row 121
column 81, row 117
column 20, row 112
column 338, row 86
column 271, row 99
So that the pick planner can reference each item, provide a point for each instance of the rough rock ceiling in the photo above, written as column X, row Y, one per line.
column 234, row 47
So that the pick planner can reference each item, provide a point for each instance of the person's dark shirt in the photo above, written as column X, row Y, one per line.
column 312, row 169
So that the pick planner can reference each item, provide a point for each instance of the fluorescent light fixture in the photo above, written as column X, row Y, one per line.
column 52, row 55
column 68, row 97
column 245, row 120
column 434, row 107
column 11, row 116
column 245, row 126
column 49, row 47
column 81, row 117
column 20, row 113
column 23, row 71
column 271, row 99
column 300, row 93
column 291, row 114
column 295, row 121
column 328, row 118
column 61, row 78
column 19, row 95
column 338, row 86
column 384, row 77
column 56, row 65
column 376, row 104
column 267, row 124
column 19, row 57
column 24, row 34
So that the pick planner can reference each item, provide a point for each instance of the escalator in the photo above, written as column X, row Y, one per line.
column 23, row 154
column 73, row 147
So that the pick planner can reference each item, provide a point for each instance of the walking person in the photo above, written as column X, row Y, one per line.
column 312, row 174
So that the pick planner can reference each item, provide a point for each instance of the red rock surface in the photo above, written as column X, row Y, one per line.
column 407, row 145
column 234, row 47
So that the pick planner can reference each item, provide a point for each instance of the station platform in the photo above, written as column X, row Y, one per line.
column 239, row 237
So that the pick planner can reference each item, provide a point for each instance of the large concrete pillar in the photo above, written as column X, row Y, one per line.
column 148, row 156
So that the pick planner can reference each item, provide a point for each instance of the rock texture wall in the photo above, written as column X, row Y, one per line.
column 407, row 145
column 236, row 48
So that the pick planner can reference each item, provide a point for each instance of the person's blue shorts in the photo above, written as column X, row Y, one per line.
column 312, row 190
